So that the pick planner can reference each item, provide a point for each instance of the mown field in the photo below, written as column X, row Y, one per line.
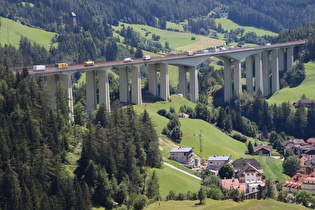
column 11, row 32
column 267, row 204
column 294, row 94
column 229, row 25
column 179, row 41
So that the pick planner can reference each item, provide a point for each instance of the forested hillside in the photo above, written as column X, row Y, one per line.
column 274, row 15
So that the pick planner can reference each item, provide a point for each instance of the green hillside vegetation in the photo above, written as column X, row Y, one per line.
column 307, row 87
column 171, row 179
column 214, row 141
column 213, row 204
column 11, row 32
column 177, row 40
column 229, row 25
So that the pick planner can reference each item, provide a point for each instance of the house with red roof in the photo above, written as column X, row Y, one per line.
column 262, row 150
column 233, row 184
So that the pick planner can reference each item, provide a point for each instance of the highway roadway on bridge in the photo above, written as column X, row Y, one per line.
column 160, row 59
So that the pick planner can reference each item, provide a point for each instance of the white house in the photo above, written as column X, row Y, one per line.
column 216, row 161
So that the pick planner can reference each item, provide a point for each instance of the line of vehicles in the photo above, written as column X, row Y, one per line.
column 129, row 60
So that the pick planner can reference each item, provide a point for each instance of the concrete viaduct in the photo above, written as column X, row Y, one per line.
column 257, row 63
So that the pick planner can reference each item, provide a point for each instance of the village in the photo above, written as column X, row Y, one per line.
column 249, row 176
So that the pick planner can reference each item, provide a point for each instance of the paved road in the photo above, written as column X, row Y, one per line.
column 169, row 165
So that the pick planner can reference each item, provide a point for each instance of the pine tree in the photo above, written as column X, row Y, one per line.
column 250, row 148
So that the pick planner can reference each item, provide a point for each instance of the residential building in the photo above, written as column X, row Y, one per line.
column 240, row 163
column 215, row 162
column 250, row 176
column 262, row 150
column 300, row 182
column 182, row 155
column 232, row 183
column 306, row 102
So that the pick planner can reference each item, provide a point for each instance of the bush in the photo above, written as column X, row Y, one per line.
column 140, row 202
column 239, row 137
column 161, row 112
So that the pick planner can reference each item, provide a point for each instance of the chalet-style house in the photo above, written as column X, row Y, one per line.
column 306, row 102
column 311, row 141
column 182, row 155
column 249, row 173
column 215, row 162
column 250, row 176
column 262, row 150
column 300, row 182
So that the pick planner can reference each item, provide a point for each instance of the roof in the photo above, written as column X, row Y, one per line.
column 181, row 149
column 310, row 163
column 303, row 159
column 310, row 151
column 240, row 163
column 311, row 141
column 230, row 183
column 303, row 101
column 259, row 147
column 293, row 141
column 248, row 165
column 219, row 157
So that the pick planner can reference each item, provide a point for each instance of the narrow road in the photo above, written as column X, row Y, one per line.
column 169, row 165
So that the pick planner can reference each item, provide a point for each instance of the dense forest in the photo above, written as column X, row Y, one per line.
column 274, row 15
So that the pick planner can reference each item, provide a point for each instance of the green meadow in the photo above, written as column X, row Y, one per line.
column 229, row 25
column 293, row 94
column 11, row 33
column 267, row 204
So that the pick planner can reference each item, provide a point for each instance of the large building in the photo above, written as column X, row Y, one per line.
column 216, row 161
column 182, row 155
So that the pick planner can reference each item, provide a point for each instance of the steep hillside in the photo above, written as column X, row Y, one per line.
column 11, row 32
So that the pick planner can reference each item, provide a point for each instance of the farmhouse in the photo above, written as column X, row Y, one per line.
column 216, row 161
column 250, row 176
column 262, row 150
column 306, row 102
column 182, row 155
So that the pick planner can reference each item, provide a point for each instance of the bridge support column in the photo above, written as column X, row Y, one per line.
column 237, row 77
column 290, row 58
column 249, row 74
column 52, row 87
column 193, row 83
column 164, row 82
column 66, row 83
column 123, row 84
column 104, row 96
column 281, row 59
column 136, row 96
column 182, row 80
column 90, row 91
column 258, row 73
column 265, row 65
column 227, row 81
column 275, row 70
column 152, row 80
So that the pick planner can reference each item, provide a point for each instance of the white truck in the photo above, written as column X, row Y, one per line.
column 146, row 57
column 189, row 53
column 127, row 60
column 39, row 68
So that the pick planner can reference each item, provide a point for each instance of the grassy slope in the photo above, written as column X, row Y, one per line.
column 11, row 32
column 213, row 204
column 171, row 179
column 294, row 94
column 229, row 25
column 214, row 142
column 177, row 40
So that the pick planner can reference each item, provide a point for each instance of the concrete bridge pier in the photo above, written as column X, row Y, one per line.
column 193, row 83
column 136, row 96
column 153, row 88
column 52, row 87
column 275, row 70
column 104, row 96
column 281, row 59
column 164, row 82
column 182, row 80
column 249, row 74
column 91, row 100
column 290, row 58
column 227, row 80
column 265, row 73
column 66, row 83
column 123, row 84
column 258, row 73
column 237, row 77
